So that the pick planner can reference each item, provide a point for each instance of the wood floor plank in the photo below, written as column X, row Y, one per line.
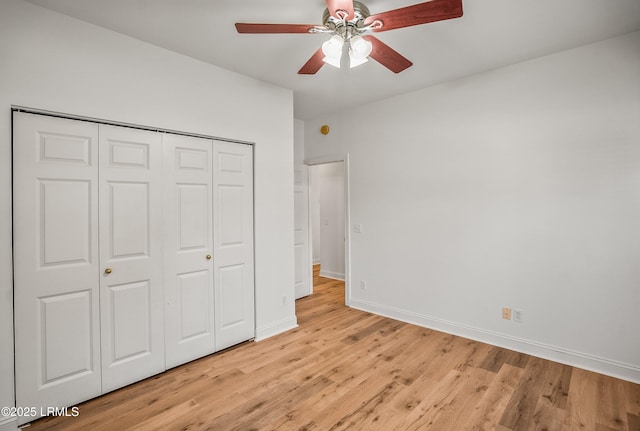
column 342, row 368
column 445, row 351
column 582, row 401
column 367, row 415
column 330, row 407
column 541, row 378
column 546, row 417
column 498, row 356
column 339, row 411
column 470, row 394
column 433, row 402
column 612, row 409
column 555, row 390
column 632, row 395
column 493, row 403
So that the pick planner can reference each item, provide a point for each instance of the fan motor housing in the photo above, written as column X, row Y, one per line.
column 360, row 13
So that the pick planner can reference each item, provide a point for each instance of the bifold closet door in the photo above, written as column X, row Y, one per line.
column 233, row 243
column 133, row 251
column 188, row 268
column 55, row 227
column 131, row 291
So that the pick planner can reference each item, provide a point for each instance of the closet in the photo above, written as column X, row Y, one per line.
column 133, row 253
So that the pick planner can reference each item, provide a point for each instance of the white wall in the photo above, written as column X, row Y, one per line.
column 518, row 187
column 53, row 62
column 328, row 218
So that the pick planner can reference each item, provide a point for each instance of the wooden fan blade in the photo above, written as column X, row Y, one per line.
column 422, row 13
column 313, row 64
column 387, row 56
column 243, row 27
column 345, row 5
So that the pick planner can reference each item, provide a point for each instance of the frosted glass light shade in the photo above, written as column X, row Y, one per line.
column 332, row 50
column 335, row 62
column 360, row 48
column 355, row 61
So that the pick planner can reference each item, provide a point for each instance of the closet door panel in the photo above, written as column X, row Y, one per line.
column 233, row 243
column 188, row 269
column 55, row 261
column 131, row 286
column 129, row 220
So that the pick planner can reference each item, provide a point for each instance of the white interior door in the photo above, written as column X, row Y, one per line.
column 302, row 243
column 188, row 268
column 89, row 254
column 233, row 243
column 55, row 226
column 131, row 291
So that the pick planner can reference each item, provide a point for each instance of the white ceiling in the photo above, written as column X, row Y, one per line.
column 491, row 34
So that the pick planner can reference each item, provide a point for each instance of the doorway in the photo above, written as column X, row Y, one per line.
column 329, row 220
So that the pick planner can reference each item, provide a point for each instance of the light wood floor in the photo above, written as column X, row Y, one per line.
column 344, row 369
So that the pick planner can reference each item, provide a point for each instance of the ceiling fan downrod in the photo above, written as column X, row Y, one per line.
column 347, row 29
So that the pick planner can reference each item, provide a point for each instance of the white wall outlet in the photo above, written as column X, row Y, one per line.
column 517, row 315
column 363, row 284
column 284, row 300
column 357, row 228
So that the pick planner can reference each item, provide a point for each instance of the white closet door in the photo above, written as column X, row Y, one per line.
column 302, row 241
column 188, row 268
column 55, row 192
column 233, row 243
column 131, row 292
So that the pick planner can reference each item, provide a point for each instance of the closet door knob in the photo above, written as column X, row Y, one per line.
column 208, row 257
column 107, row 271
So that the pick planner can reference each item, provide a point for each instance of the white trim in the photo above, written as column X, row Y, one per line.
column 9, row 424
column 347, row 231
column 321, row 160
column 331, row 274
column 17, row 108
column 309, row 233
column 276, row 328
column 597, row 364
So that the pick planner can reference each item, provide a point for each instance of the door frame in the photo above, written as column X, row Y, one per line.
column 345, row 158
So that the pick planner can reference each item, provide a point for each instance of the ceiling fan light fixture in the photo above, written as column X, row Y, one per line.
column 335, row 62
column 332, row 50
column 360, row 48
column 347, row 20
column 355, row 60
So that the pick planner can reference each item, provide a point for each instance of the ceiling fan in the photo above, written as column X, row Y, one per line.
column 348, row 21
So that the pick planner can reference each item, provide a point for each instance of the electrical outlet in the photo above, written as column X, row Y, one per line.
column 363, row 284
column 284, row 300
column 517, row 315
column 506, row 313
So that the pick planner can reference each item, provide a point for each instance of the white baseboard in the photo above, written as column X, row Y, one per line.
column 8, row 424
column 553, row 353
column 331, row 274
column 276, row 328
